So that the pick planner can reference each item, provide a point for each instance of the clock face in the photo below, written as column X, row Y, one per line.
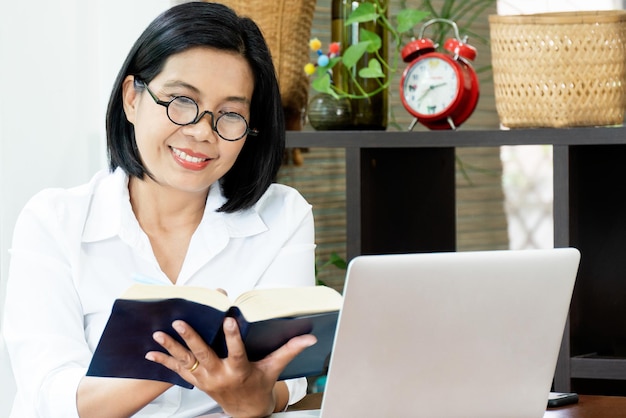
column 431, row 85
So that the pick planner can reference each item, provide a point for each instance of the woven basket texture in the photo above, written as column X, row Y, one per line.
column 286, row 25
column 559, row 69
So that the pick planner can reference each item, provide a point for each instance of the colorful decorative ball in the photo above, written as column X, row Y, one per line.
column 315, row 44
column 323, row 60
column 309, row 69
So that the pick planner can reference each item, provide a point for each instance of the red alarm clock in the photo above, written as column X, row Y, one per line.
column 440, row 89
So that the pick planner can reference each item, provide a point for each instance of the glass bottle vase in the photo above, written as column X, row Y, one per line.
column 368, row 113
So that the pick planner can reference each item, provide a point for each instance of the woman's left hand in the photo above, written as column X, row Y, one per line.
column 240, row 387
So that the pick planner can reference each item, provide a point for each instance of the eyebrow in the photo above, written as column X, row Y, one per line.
column 179, row 83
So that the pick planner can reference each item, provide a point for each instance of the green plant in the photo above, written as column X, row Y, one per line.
column 337, row 261
column 401, row 28
column 369, row 42
column 334, row 260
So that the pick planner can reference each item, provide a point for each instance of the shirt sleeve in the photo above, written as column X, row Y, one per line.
column 294, row 265
column 297, row 389
column 43, row 321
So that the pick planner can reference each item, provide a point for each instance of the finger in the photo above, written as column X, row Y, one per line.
column 274, row 363
column 172, row 346
column 183, row 370
column 279, row 359
column 197, row 346
column 234, row 343
column 170, row 362
column 179, row 359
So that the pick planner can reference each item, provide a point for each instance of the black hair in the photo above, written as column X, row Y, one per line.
column 216, row 26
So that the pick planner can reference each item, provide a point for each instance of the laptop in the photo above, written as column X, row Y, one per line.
column 460, row 334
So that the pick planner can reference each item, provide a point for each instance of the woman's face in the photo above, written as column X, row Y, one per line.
column 192, row 157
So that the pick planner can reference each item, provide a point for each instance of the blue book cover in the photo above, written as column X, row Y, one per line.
column 127, row 336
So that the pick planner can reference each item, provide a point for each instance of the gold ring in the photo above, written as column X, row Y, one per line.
column 195, row 366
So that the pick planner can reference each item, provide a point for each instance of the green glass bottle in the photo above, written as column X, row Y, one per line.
column 368, row 113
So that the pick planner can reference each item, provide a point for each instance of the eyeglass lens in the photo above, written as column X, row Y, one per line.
column 183, row 111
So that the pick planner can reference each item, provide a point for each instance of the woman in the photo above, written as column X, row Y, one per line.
column 195, row 138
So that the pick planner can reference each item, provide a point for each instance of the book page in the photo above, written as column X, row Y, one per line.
column 205, row 296
column 256, row 304
column 262, row 304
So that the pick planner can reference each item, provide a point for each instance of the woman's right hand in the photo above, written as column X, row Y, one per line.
column 242, row 388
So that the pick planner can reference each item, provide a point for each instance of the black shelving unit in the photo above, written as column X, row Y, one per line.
column 400, row 192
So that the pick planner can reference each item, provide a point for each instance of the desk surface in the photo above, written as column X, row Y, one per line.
column 587, row 407
column 591, row 407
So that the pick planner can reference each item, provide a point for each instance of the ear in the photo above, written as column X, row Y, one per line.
column 129, row 98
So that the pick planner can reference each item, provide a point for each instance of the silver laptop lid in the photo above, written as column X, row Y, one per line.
column 463, row 334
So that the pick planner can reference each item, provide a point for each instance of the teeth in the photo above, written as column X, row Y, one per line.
column 183, row 155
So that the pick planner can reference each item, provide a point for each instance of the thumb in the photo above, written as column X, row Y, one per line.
column 280, row 358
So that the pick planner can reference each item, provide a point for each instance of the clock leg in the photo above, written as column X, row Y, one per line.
column 451, row 123
column 412, row 125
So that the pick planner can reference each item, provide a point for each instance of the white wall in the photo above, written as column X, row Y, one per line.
column 58, row 60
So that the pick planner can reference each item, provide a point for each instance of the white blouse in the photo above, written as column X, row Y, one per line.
column 74, row 251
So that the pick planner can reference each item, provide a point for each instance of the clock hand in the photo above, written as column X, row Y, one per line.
column 431, row 87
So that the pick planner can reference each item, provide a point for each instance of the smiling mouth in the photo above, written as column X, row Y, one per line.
column 186, row 157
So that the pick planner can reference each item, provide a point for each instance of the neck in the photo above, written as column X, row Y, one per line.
column 162, row 207
column 169, row 218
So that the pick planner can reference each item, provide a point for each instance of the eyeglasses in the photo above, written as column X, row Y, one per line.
column 183, row 110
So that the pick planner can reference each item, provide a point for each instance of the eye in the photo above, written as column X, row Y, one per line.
column 184, row 100
column 231, row 117
column 184, row 103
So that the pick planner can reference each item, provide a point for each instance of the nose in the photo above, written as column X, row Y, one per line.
column 203, row 128
column 203, row 114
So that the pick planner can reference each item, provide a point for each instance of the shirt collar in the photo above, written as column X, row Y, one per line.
column 239, row 224
column 110, row 209
column 104, row 216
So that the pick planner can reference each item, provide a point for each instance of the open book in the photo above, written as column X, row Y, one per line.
column 267, row 319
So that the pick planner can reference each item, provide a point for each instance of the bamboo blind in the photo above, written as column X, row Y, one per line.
column 481, row 221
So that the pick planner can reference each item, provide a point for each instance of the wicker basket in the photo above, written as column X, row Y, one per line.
column 559, row 69
column 286, row 25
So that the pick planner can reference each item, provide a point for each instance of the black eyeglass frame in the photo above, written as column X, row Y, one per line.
column 199, row 115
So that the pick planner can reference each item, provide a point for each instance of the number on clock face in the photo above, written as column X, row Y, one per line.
column 430, row 86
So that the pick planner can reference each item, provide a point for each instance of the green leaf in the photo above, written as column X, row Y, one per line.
column 373, row 70
column 407, row 19
column 366, row 12
column 333, row 61
column 374, row 40
column 354, row 53
column 337, row 261
column 319, row 71
column 322, row 84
